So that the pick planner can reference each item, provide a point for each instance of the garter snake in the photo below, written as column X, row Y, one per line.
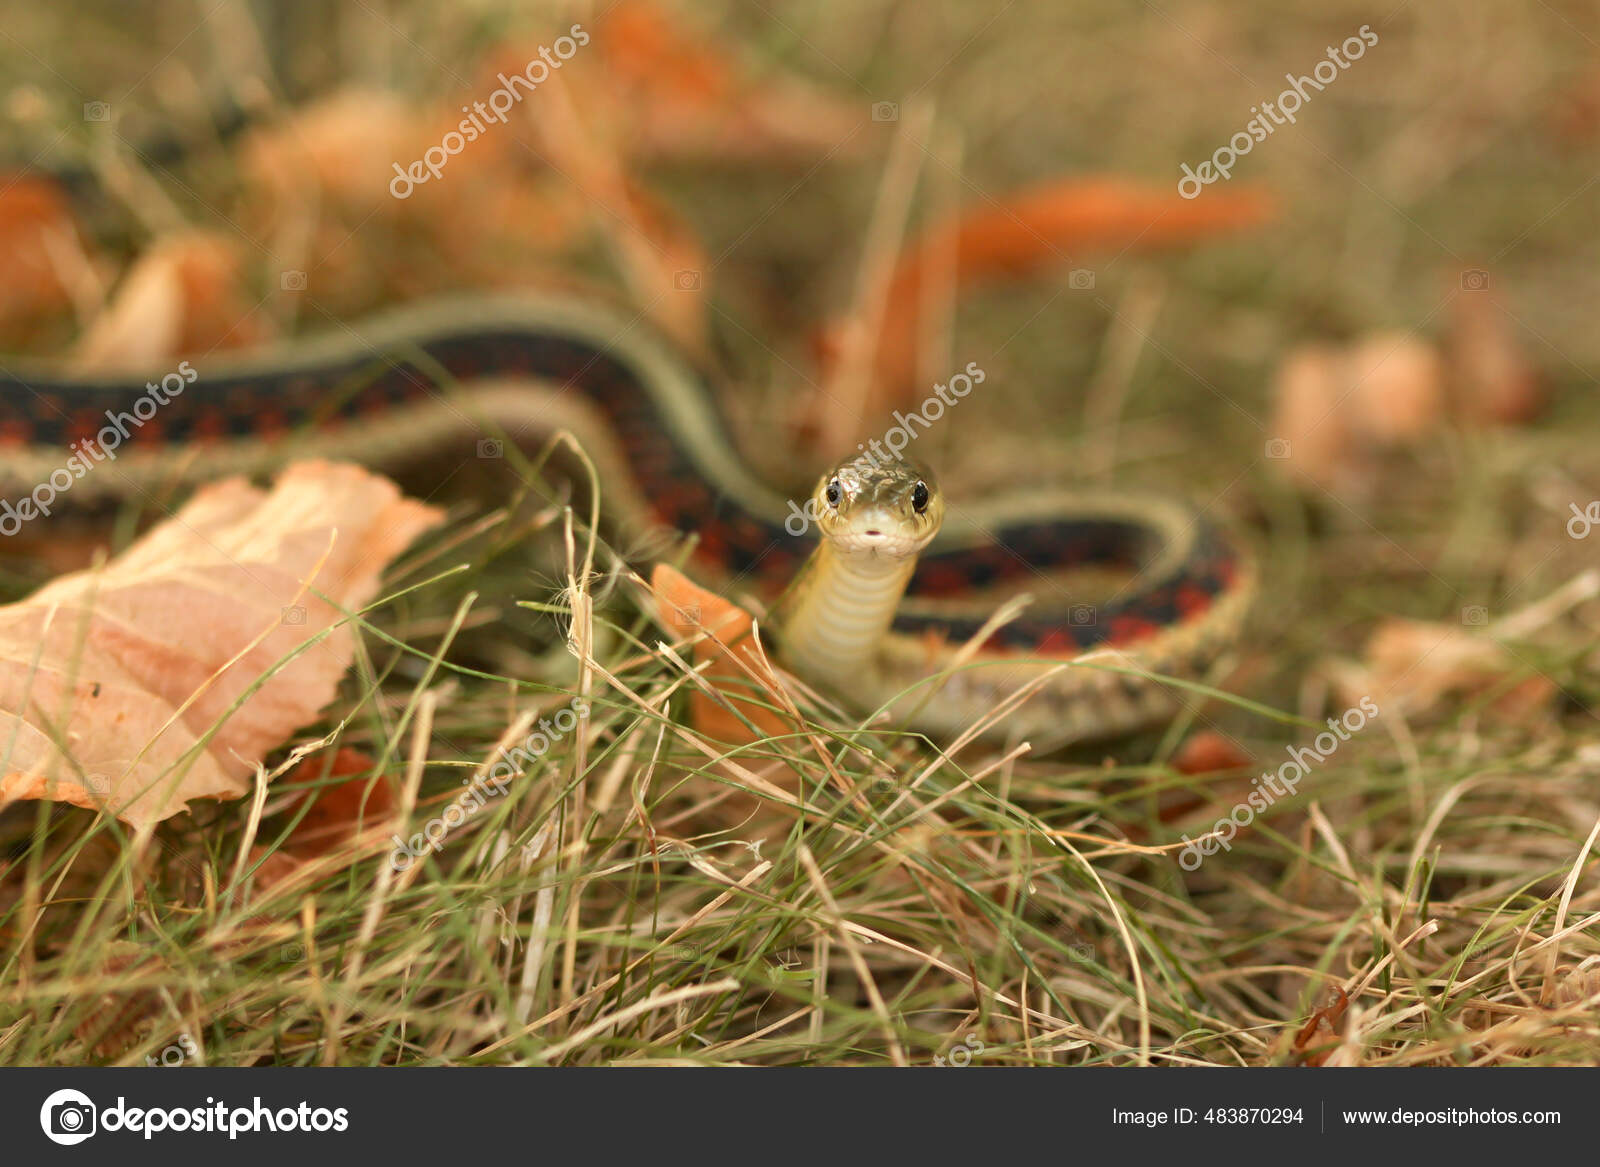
column 864, row 624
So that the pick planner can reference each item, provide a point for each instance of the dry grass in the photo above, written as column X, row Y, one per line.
column 853, row 897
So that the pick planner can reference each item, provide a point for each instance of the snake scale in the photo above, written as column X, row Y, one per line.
column 883, row 597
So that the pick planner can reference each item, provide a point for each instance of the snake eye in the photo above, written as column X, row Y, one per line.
column 832, row 493
column 919, row 497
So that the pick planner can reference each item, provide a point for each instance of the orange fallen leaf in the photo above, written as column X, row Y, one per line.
column 1313, row 440
column 679, row 92
column 1337, row 406
column 1396, row 387
column 340, row 174
column 340, row 150
column 1322, row 1028
column 335, row 173
column 1415, row 666
column 345, row 158
column 1053, row 225
column 1209, row 752
column 720, row 629
column 320, row 178
column 527, row 192
column 37, row 230
column 340, row 812
column 345, row 815
column 185, row 295
column 118, row 686
column 1204, row 753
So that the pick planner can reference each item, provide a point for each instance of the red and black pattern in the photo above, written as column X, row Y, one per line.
column 1059, row 626
column 731, row 540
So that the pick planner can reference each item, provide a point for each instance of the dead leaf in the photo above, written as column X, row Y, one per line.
column 1416, row 666
column 141, row 324
column 1336, row 407
column 117, row 686
column 1204, row 753
column 1319, row 1036
column 1396, row 387
column 720, row 629
column 1312, row 438
column 343, row 816
column 1209, row 752
column 332, row 180
column 528, row 195
column 668, row 90
column 340, row 813
column 185, row 295
column 37, row 231
column 340, row 151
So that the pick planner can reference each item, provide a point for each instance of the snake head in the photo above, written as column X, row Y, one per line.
column 878, row 509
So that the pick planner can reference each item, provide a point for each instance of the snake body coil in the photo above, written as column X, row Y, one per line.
column 417, row 379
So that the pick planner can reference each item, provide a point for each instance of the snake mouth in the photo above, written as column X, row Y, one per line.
column 880, row 541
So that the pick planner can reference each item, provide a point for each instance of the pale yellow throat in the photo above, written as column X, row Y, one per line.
column 832, row 625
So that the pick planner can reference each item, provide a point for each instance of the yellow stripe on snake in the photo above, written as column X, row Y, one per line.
column 883, row 597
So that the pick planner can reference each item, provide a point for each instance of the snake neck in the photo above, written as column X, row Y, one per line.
column 833, row 623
